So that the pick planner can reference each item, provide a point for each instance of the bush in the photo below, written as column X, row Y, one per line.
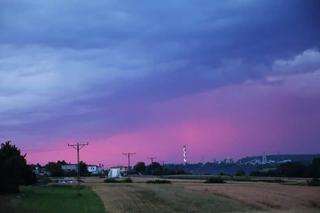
column 241, row 178
column 126, row 180
column 240, row 173
column 158, row 181
column 114, row 180
column 214, row 180
column 314, row 182
column 110, row 180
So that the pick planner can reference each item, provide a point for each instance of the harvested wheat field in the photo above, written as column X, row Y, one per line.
column 200, row 197
column 141, row 197
column 267, row 196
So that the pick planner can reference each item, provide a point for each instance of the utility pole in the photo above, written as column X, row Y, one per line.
column 129, row 154
column 77, row 147
column 152, row 159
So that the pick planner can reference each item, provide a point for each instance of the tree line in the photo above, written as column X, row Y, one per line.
column 154, row 168
column 54, row 169
column 293, row 169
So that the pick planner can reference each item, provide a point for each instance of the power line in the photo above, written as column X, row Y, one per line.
column 129, row 154
column 77, row 147
column 39, row 150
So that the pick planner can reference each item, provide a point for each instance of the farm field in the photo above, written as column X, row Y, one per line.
column 141, row 197
column 49, row 199
column 184, row 195
column 188, row 196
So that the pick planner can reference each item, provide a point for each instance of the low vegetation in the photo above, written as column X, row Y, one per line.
column 292, row 169
column 159, row 181
column 120, row 180
column 314, row 182
column 52, row 199
column 214, row 180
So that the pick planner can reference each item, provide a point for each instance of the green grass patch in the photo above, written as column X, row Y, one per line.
column 53, row 199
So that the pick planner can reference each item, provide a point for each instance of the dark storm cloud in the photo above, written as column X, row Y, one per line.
column 84, row 58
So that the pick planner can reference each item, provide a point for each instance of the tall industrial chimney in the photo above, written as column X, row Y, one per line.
column 184, row 150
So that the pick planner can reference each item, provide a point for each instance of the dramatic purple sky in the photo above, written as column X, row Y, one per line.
column 227, row 78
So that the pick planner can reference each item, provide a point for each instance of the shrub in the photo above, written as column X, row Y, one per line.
column 314, row 182
column 114, row 180
column 126, row 180
column 241, row 178
column 158, row 181
column 214, row 180
column 240, row 173
column 110, row 180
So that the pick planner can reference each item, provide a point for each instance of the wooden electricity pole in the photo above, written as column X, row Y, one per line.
column 129, row 154
column 77, row 147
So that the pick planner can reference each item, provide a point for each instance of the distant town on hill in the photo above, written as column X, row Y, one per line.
column 246, row 164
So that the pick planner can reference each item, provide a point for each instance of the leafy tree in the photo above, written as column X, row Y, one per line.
column 154, row 169
column 83, row 169
column 54, row 168
column 315, row 168
column 140, row 167
column 291, row 169
column 240, row 173
column 14, row 169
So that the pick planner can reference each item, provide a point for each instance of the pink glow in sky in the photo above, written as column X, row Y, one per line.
column 226, row 78
column 234, row 121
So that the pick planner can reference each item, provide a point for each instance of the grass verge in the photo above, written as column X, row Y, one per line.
column 158, row 181
column 52, row 199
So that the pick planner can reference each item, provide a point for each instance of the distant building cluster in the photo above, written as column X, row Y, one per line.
column 262, row 160
column 92, row 169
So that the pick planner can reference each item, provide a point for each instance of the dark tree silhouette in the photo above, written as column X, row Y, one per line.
column 140, row 167
column 14, row 169
column 83, row 169
column 154, row 169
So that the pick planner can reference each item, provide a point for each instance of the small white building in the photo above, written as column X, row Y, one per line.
column 95, row 169
column 117, row 172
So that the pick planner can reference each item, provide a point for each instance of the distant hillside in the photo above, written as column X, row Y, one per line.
column 278, row 158
column 247, row 164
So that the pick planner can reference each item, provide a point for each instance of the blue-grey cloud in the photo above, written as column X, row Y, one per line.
column 84, row 59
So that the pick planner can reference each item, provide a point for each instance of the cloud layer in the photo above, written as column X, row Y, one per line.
column 80, row 69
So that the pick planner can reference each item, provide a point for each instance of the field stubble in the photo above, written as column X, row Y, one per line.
column 188, row 196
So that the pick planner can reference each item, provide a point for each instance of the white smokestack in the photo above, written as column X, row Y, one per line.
column 184, row 150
